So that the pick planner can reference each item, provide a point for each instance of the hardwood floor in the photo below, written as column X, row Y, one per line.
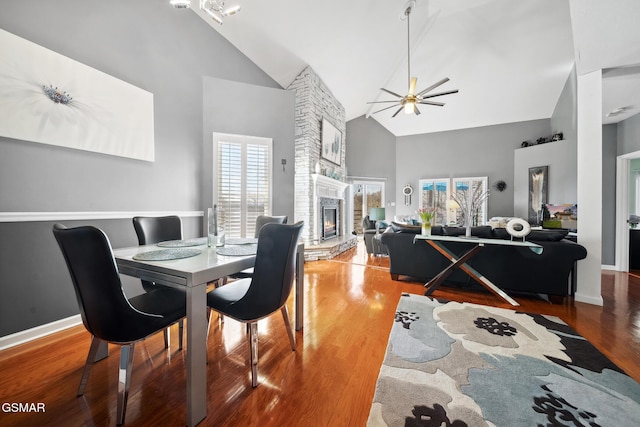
column 329, row 381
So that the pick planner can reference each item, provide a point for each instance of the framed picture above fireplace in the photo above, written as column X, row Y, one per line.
column 331, row 142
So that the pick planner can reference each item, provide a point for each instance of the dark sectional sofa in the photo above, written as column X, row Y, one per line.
column 510, row 268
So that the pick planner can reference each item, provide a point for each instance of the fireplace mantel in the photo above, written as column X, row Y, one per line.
column 323, row 186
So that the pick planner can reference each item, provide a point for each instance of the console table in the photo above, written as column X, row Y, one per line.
column 461, row 261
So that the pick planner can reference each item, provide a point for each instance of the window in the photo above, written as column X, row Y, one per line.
column 448, row 197
column 242, row 181
column 471, row 191
column 434, row 194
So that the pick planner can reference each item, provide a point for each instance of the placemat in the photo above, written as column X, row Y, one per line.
column 166, row 254
column 241, row 241
column 237, row 250
column 183, row 243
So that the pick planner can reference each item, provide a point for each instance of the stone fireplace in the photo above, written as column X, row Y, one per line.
column 315, row 103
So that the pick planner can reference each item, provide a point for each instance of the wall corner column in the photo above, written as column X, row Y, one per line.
column 589, row 144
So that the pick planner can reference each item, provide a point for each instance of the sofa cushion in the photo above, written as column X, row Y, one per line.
column 501, row 233
column 397, row 227
column 405, row 228
column 483, row 231
column 547, row 235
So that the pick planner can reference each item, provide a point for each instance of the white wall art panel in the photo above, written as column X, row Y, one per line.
column 48, row 98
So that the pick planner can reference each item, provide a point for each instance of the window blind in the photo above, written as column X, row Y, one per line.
column 243, row 182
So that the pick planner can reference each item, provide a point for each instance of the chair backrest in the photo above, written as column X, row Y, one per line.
column 274, row 267
column 265, row 219
column 157, row 229
column 104, row 308
column 368, row 224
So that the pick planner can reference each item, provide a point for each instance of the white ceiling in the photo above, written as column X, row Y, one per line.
column 509, row 59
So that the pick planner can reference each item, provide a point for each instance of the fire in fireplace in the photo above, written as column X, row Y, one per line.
column 329, row 222
column 329, row 225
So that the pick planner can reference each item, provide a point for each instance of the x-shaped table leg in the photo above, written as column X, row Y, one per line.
column 461, row 263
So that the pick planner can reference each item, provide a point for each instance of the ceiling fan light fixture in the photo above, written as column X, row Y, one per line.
column 409, row 102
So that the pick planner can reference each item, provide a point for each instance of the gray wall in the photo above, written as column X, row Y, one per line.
column 151, row 45
column 629, row 135
column 609, row 147
column 564, row 117
column 485, row 151
column 270, row 113
column 371, row 153
column 561, row 157
column 617, row 139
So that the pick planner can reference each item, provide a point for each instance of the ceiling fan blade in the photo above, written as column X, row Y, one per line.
column 385, row 108
column 396, row 113
column 440, row 94
column 438, row 104
column 415, row 109
column 433, row 86
column 391, row 93
column 412, row 85
column 381, row 102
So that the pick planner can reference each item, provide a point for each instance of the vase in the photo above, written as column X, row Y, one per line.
column 426, row 229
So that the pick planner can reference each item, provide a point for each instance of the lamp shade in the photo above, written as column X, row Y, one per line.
column 452, row 204
column 376, row 214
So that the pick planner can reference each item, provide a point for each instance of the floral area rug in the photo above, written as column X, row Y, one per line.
column 458, row 364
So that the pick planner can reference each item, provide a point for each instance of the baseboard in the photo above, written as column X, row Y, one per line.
column 39, row 332
column 589, row 299
column 609, row 267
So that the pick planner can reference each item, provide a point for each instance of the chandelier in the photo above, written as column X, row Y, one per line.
column 216, row 9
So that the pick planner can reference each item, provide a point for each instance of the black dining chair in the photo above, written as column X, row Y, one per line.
column 248, row 272
column 251, row 299
column 105, row 310
column 261, row 220
column 152, row 230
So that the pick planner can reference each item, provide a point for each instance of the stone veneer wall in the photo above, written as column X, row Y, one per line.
column 314, row 102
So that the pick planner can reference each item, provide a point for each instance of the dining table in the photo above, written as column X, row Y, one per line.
column 203, row 265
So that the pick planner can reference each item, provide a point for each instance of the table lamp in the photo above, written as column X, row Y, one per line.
column 376, row 214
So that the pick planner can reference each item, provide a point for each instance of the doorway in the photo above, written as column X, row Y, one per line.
column 623, row 208
column 367, row 194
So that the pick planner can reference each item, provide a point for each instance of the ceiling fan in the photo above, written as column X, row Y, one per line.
column 409, row 102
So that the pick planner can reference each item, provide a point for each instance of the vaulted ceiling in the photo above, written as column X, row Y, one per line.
column 509, row 59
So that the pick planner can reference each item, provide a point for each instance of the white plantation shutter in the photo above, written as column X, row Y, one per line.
column 242, row 177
